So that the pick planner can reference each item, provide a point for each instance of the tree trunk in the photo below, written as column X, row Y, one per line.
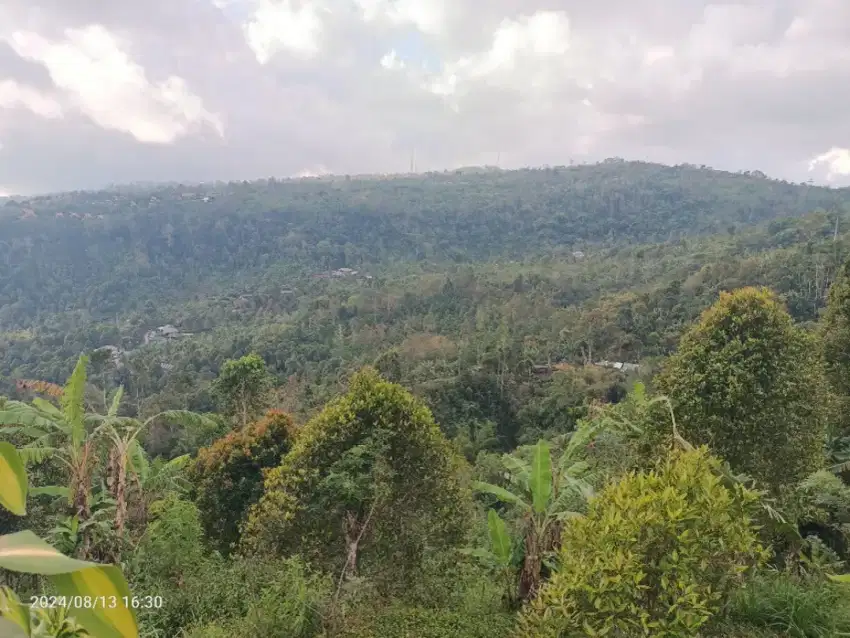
column 352, row 529
column 529, row 577
column 120, row 492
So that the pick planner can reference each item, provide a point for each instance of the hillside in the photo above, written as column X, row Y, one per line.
column 498, row 272
column 432, row 405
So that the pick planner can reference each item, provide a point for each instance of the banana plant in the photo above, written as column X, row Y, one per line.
column 543, row 495
column 60, row 433
column 25, row 552
column 76, row 439
column 501, row 557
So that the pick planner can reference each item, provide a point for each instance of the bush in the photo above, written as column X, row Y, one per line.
column 656, row 555
column 796, row 608
column 244, row 597
column 228, row 475
column 405, row 622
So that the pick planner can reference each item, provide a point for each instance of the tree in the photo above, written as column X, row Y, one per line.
column 748, row 383
column 543, row 497
column 656, row 555
column 227, row 477
column 242, row 388
column 370, row 476
column 835, row 339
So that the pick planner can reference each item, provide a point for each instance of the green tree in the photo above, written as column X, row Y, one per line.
column 369, row 478
column 227, row 477
column 835, row 339
column 242, row 388
column 656, row 555
column 747, row 382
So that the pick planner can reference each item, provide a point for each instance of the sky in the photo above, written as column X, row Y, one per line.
column 95, row 92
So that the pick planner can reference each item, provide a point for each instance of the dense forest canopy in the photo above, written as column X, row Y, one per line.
column 463, row 404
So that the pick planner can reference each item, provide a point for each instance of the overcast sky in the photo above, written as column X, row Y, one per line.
column 102, row 91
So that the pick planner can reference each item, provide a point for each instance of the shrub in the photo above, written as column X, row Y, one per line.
column 245, row 597
column 656, row 555
column 405, row 622
column 228, row 475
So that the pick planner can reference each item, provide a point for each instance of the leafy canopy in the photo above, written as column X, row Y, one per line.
column 656, row 555
column 747, row 382
column 372, row 456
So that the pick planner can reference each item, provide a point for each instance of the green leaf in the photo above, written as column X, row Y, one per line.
column 13, row 480
column 13, row 611
column 106, row 621
column 500, row 493
column 841, row 578
column 500, row 540
column 26, row 553
column 51, row 490
column 48, row 408
column 36, row 454
column 73, row 405
column 540, row 481
column 116, row 402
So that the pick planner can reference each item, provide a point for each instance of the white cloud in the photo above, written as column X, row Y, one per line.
column 356, row 84
column 517, row 56
column 277, row 26
column 15, row 95
column 101, row 80
column 836, row 161
column 428, row 16
column 392, row 62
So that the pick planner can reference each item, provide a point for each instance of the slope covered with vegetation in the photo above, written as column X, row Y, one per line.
column 357, row 408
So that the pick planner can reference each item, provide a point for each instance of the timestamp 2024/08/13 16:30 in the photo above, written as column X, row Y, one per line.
column 96, row 602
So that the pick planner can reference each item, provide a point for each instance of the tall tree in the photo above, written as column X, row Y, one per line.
column 835, row 339
column 748, row 383
column 227, row 477
column 371, row 475
column 242, row 388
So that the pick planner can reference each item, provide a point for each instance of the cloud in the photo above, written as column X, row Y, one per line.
column 836, row 161
column 94, row 93
column 89, row 66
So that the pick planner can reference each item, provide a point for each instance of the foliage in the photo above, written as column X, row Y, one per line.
column 227, row 477
column 172, row 543
column 543, row 496
column 239, row 595
column 835, row 340
column 747, row 382
column 792, row 606
column 25, row 552
column 242, row 388
column 371, row 468
column 656, row 555
column 430, row 623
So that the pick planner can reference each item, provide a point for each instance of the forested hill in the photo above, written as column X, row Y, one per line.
column 89, row 250
column 485, row 273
